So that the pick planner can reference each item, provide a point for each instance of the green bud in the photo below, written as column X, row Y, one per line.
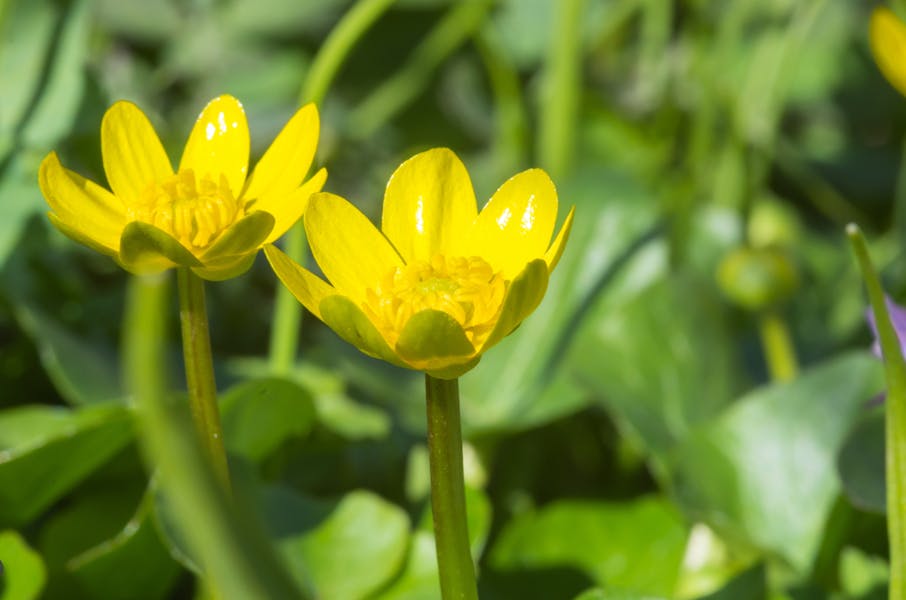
column 757, row 279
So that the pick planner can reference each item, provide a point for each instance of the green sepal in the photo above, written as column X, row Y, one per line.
column 349, row 322
column 242, row 237
column 433, row 336
column 226, row 268
column 146, row 249
column 454, row 371
column 523, row 296
column 78, row 236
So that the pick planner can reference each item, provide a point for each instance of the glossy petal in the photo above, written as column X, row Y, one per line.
column 349, row 322
column 244, row 236
column 285, row 163
column 308, row 288
column 219, row 143
column 522, row 297
column 146, row 249
column 82, row 205
column 226, row 267
column 289, row 208
column 350, row 250
column 428, row 205
column 515, row 226
column 432, row 337
column 133, row 156
column 888, row 44
column 553, row 254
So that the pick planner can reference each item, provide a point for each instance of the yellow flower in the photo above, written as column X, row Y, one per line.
column 442, row 284
column 207, row 215
column 887, row 34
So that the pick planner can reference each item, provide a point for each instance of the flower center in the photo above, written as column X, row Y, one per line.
column 467, row 289
column 194, row 211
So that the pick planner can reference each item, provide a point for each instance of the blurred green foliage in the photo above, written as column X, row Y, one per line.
column 626, row 442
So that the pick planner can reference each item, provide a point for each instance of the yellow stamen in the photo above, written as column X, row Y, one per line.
column 466, row 288
column 194, row 211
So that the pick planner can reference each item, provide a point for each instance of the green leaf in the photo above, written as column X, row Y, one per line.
column 763, row 472
column 861, row 464
column 135, row 563
column 82, row 373
column 52, row 116
column 20, row 198
column 635, row 546
column 659, row 370
column 26, row 33
column 347, row 548
column 45, row 451
column 419, row 577
column 601, row 594
column 259, row 415
column 23, row 574
column 144, row 249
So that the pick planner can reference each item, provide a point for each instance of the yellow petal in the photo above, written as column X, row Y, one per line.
column 219, row 143
column 523, row 296
column 350, row 323
column 515, row 226
column 79, row 236
column 429, row 205
column 287, row 209
column 285, row 163
column 348, row 247
column 308, row 288
column 82, row 205
column 888, row 44
column 133, row 156
column 553, row 254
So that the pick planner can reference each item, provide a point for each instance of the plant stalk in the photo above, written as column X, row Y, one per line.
column 448, row 498
column 778, row 347
column 894, row 418
column 196, row 349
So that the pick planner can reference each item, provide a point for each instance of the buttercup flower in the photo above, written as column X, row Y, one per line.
column 443, row 283
column 207, row 215
column 887, row 34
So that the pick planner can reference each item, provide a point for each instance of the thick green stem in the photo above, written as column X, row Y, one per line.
column 895, row 418
column 327, row 63
column 196, row 351
column 562, row 83
column 778, row 347
column 235, row 553
column 448, row 498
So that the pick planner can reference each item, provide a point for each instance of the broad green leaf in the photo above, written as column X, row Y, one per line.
column 53, row 114
column 82, row 373
column 861, row 464
column 20, row 198
column 863, row 576
column 763, row 472
column 419, row 578
column 45, row 451
column 661, row 363
column 347, row 548
column 749, row 585
column 23, row 573
column 26, row 33
column 135, row 563
column 601, row 594
column 259, row 415
column 636, row 546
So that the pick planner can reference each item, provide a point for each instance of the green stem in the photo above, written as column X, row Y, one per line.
column 196, row 350
column 232, row 547
column 895, row 417
column 287, row 311
column 778, row 347
column 461, row 21
column 562, row 81
column 448, row 498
